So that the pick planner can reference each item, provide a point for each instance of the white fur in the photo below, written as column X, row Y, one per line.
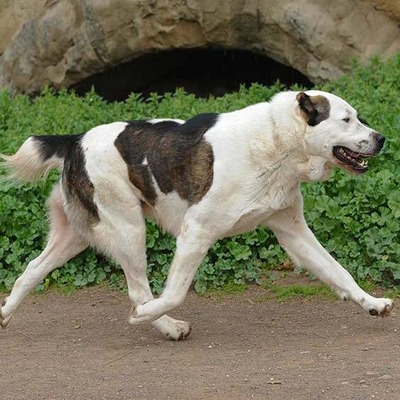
column 26, row 165
column 261, row 154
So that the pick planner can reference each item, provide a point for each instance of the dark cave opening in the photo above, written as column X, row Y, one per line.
column 203, row 72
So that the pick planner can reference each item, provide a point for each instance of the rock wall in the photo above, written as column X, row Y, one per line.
column 390, row 7
column 62, row 42
column 13, row 13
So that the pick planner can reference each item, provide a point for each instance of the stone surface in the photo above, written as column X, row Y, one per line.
column 62, row 42
column 390, row 7
column 13, row 13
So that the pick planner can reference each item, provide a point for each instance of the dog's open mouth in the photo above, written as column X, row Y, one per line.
column 351, row 160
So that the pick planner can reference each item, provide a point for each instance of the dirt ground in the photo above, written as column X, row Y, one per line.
column 243, row 346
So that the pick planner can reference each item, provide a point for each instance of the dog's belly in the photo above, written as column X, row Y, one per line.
column 168, row 212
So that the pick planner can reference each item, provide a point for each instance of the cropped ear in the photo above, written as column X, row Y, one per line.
column 314, row 109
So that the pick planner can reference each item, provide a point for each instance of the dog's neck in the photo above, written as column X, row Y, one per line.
column 316, row 169
column 307, row 168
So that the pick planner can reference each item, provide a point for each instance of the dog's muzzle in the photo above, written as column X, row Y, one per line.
column 356, row 161
column 380, row 140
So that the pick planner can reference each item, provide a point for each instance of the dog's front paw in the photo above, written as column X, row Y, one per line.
column 133, row 317
column 382, row 308
column 150, row 311
column 138, row 315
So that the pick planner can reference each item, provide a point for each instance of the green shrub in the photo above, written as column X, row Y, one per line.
column 356, row 218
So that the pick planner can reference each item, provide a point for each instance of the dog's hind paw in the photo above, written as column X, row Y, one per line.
column 3, row 321
column 181, row 331
column 384, row 310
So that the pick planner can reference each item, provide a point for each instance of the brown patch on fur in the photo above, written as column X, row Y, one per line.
column 141, row 178
column 193, row 176
column 315, row 109
column 174, row 154
column 77, row 185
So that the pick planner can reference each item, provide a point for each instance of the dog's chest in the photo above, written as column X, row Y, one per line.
column 248, row 222
column 252, row 216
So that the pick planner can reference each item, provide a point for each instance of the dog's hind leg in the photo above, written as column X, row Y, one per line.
column 123, row 237
column 64, row 243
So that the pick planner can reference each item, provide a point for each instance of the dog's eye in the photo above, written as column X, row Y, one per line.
column 347, row 119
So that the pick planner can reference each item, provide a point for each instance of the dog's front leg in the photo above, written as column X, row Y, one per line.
column 191, row 247
column 300, row 243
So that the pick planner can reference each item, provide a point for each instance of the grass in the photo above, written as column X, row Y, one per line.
column 283, row 292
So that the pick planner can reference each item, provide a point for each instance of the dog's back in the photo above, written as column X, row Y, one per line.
column 152, row 160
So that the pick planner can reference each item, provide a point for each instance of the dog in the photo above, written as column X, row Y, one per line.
column 210, row 177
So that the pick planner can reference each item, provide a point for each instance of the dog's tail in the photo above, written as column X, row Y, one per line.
column 38, row 156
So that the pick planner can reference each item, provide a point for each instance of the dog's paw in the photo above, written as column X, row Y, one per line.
column 171, row 328
column 382, row 308
column 3, row 320
column 180, row 331
column 132, row 320
column 136, row 317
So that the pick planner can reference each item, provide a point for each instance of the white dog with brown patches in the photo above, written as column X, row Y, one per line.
column 213, row 176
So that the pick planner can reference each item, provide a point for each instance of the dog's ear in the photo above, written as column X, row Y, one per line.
column 305, row 103
column 314, row 108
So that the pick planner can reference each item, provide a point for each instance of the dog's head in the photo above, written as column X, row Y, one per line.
column 335, row 132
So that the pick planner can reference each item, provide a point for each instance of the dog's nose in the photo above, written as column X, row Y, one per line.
column 380, row 139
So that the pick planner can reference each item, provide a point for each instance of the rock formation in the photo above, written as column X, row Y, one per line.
column 61, row 42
